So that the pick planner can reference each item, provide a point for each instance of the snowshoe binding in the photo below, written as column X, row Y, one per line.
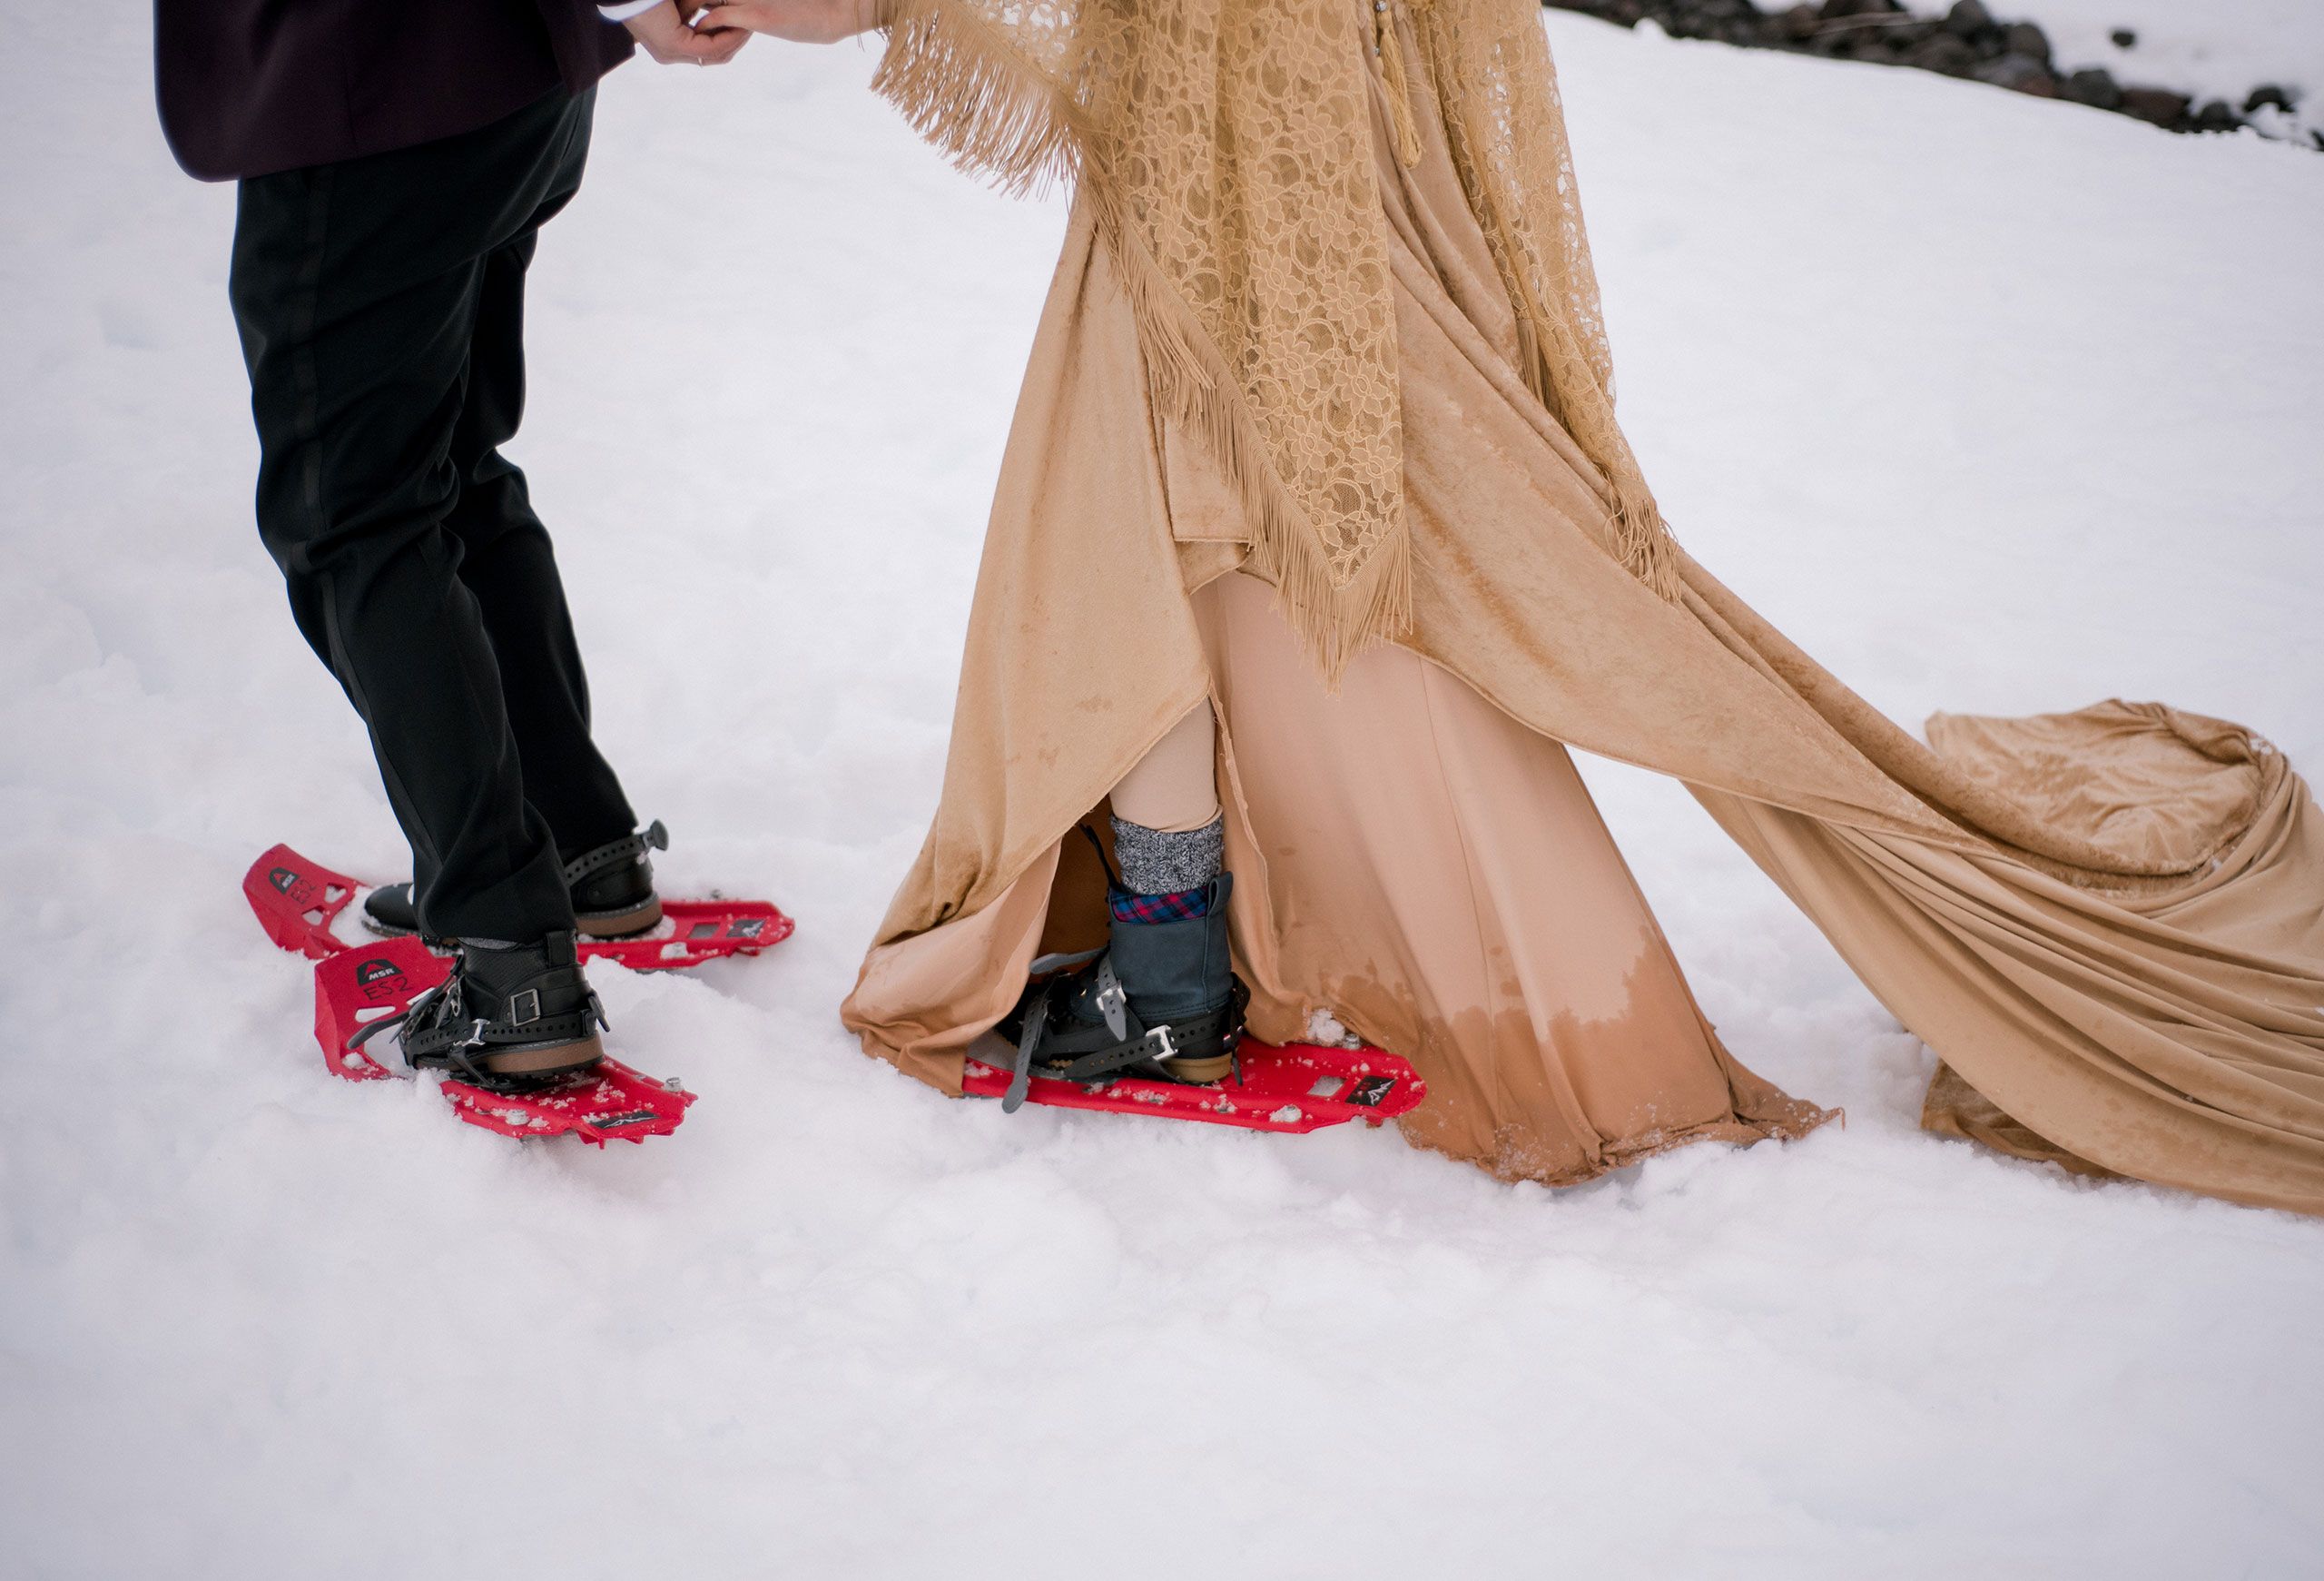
column 512, row 1016
column 359, row 990
column 1161, row 1000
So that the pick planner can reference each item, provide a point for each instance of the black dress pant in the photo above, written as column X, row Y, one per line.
column 380, row 303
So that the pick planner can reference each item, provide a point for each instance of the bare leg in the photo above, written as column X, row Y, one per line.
column 1174, row 788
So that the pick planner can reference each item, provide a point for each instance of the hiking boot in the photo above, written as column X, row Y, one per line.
column 512, row 1015
column 612, row 887
column 1160, row 1000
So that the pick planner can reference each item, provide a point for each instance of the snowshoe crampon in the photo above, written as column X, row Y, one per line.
column 298, row 903
column 356, row 988
column 1297, row 1087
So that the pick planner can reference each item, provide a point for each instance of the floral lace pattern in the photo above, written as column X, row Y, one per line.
column 1227, row 145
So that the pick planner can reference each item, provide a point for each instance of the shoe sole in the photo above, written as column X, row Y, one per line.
column 546, row 1058
column 1197, row 1072
column 595, row 924
column 617, row 925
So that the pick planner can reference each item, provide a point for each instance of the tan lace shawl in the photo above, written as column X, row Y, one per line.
column 1226, row 148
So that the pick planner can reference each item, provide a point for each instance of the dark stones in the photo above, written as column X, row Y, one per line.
column 1966, row 40
column 2025, row 38
column 2157, row 106
column 1798, row 24
column 2218, row 115
column 1948, row 53
column 2095, row 87
column 2020, row 74
column 1967, row 20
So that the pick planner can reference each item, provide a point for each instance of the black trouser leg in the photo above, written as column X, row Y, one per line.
column 360, row 291
column 507, row 564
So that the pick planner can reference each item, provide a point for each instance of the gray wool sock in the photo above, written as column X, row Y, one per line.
column 1158, row 862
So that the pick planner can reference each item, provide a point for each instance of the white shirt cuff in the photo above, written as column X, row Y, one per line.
column 626, row 9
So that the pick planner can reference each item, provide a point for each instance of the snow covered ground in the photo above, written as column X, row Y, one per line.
column 2211, row 48
column 1993, row 403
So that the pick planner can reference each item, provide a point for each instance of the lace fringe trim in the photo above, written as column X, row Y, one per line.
column 963, row 88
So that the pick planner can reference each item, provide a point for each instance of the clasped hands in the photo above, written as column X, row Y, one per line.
column 681, row 30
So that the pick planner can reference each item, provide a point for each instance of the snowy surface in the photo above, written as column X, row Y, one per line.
column 2211, row 48
column 1993, row 403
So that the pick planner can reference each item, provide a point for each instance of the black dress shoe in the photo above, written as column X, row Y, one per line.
column 612, row 887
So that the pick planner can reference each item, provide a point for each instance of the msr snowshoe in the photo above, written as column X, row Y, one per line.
column 1160, row 1000
column 612, row 887
column 299, row 902
column 514, row 1017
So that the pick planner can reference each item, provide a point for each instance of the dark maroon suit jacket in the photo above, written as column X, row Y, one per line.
column 251, row 86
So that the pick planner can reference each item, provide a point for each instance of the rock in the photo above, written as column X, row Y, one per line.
column 1967, row 19
column 2020, row 74
column 2157, row 106
column 2025, row 38
column 1964, row 41
column 1947, row 53
column 2095, row 87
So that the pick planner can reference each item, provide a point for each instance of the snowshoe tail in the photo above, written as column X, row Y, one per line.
column 605, row 1102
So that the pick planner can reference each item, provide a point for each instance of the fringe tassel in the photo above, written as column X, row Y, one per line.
column 1399, row 93
column 1187, row 381
column 965, row 89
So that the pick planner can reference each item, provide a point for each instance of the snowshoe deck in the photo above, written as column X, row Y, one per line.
column 356, row 987
column 1295, row 1088
column 298, row 903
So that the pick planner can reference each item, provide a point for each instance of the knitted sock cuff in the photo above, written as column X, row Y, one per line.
column 1156, row 862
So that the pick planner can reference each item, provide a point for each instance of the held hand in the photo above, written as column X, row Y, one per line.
column 800, row 21
column 663, row 34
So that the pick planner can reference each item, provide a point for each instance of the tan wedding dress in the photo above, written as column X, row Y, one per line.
column 2110, row 924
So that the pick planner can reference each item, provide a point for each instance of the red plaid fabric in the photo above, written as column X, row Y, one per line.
column 1184, row 905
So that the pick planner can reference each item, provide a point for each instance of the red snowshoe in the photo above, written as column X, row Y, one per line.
column 1297, row 1087
column 298, row 902
column 357, row 988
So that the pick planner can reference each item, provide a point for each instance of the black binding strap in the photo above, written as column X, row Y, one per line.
column 1113, row 878
column 628, row 848
column 1153, row 1045
column 453, row 1046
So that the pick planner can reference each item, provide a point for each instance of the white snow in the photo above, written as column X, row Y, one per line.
column 1991, row 403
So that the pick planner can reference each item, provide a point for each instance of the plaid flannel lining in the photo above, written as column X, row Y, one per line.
column 1184, row 905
